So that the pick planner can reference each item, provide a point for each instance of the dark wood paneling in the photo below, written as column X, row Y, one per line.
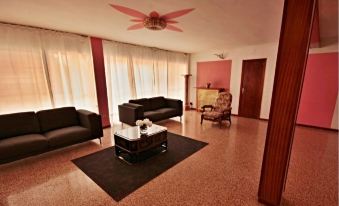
column 100, row 80
column 251, row 89
column 290, row 68
column 187, row 103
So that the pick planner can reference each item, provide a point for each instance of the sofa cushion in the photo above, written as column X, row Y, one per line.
column 18, row 124
column 154, row 116
column 157, row 102
column 168, row 112
column 67, row 135
column 57, row 118
column 23, row 145
column 144, row 102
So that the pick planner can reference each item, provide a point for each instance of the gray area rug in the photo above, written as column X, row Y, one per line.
column 119, row 179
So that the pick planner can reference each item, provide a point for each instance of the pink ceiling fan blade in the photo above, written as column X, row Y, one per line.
column 128, row 11
column 137, row 20
column 136, row 26
column 176, row 14
column 171, row 22
column 173, row 28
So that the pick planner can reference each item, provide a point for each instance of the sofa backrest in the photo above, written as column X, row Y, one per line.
column 18, row 124
column 144, row 102
column 57, row 118
column 157, row 102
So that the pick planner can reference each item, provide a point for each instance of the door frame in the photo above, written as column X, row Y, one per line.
column 262, row 87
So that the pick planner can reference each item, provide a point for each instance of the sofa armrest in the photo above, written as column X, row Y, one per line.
column 92, row 121
column 129, row 113
column 176, row 104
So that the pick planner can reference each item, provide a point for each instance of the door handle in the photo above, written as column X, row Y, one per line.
column 242, row 90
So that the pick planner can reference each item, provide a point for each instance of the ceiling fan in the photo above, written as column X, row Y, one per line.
column 153, row 21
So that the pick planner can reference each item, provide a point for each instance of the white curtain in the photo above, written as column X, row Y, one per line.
column 150, row 71
column 119, row 74
column 23, row 83
column 160, row 75
column 70, row 70
column 177, row 67
column 138, row 72
column 43, row 69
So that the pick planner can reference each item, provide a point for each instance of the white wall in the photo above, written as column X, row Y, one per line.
column 237, row 55
column 326, row 46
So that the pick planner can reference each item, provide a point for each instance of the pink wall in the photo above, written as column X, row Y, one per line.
column 100, row 80
column 218, row 73
column 320, row 90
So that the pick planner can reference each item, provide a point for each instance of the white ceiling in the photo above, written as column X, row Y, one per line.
column 214, row 24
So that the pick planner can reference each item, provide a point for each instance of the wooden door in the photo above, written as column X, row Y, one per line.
column 251, row 90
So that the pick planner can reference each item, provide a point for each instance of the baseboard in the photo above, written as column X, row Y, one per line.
column 302, row 125
column 263, row 119
column 317, row 127
column 309, row 126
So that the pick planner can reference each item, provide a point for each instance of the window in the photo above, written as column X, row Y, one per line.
column 42, row 69
column 142, row 72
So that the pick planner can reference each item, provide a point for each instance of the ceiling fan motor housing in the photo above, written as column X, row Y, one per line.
column 155, row 23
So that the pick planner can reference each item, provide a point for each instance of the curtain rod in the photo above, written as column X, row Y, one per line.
column 142, row 46
column 83, row 35
column 37, row 27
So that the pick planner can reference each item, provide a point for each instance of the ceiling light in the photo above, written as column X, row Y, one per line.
column 155, row 23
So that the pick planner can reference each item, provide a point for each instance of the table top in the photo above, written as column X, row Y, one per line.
column 133, row 133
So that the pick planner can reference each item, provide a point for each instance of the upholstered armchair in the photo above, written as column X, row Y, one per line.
column 220, row 111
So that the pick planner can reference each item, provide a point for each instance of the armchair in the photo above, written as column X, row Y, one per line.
column 220, row 111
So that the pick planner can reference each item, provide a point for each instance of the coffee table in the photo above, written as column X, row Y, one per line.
column 129, row 141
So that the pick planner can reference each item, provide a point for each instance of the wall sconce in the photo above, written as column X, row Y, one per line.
column 220, row 56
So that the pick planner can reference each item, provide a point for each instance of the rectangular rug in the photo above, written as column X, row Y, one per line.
column 119, row 179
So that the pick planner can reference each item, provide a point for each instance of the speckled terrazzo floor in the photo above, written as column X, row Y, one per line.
column 226, row 172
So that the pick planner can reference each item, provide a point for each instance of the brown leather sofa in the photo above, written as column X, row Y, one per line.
column 155, row 109
column 28, row 133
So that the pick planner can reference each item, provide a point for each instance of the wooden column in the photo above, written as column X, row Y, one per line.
column 187, row 103
column 100, row 80
column 290, row 68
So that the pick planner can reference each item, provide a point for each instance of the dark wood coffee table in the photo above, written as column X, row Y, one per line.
column 130, row 141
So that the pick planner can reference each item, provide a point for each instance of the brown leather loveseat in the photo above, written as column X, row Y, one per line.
column 155, row 109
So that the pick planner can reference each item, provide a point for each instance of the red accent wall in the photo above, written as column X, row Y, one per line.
column 320, row 90
column 100, row 80
column 218, row 73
